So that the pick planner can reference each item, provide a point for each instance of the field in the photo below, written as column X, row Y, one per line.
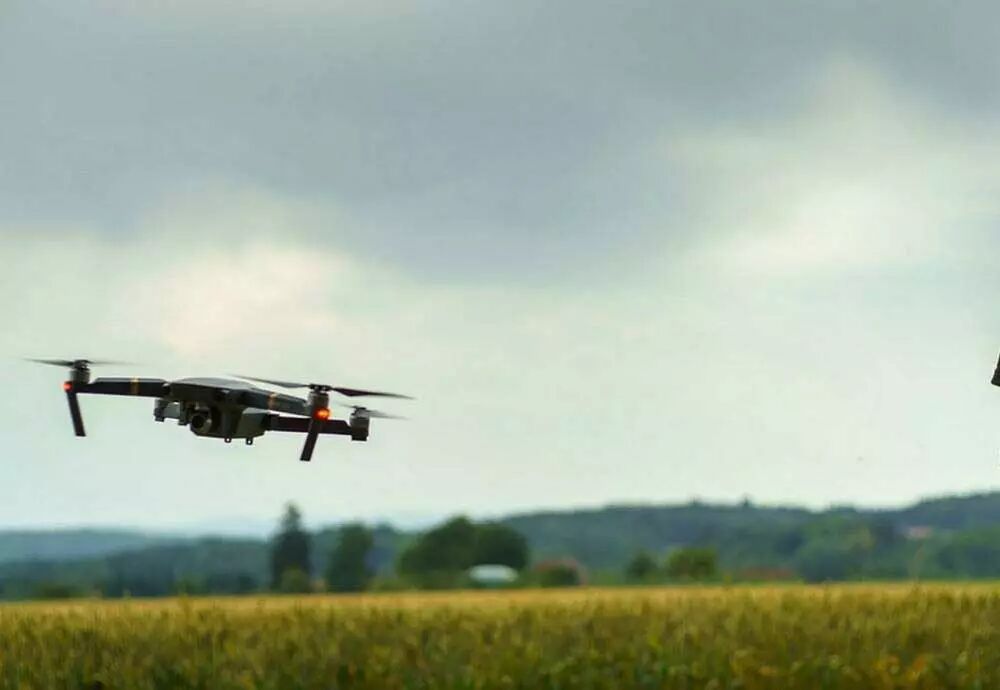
column 866, row 636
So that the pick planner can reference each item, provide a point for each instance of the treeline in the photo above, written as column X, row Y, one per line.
column 458, row 553
column 946, row 538
column 955, row 538
column 833, row 547
column 351, row 558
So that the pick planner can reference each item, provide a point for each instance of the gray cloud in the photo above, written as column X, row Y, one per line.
column 635, row 252
column 458, row 141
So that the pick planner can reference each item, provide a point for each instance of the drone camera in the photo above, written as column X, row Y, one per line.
column 202, row 421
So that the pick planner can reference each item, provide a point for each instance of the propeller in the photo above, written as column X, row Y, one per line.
column 325, row 388
column 79, row 378
column 74, row 363
column 359, row 411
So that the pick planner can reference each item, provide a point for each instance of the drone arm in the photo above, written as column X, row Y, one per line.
column 312, row 433
column 301, row 425
column 996, row 375
column 150, row 388
column 146, row 388
column 74, row 409
column 311, row 427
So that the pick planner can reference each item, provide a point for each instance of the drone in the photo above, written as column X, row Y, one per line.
column 996, row 375
column 229, row 408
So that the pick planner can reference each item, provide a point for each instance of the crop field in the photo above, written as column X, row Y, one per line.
column 865, row 636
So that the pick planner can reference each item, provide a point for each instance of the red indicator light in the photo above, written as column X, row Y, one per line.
column 322, row 413
column 67, row 386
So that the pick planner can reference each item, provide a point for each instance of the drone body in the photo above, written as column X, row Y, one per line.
column 227, row 408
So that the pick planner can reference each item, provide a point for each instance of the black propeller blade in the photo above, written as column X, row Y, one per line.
column 323, row 388
column 73, row 363
column 996, row 375
column 282, row 384
column 357, row 392
column 369, row 413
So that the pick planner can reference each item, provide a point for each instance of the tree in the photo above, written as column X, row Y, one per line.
column 641, row 567
column 692, row 563
column 973, row 553
column 440, row 556
column 348, row 569
column 448, row 548
column 498, row 544
column 290, row 550
column 821, row 560
column 564, row 572
column 294, row 581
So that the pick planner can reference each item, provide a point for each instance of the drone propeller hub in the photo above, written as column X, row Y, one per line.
column 79, row 369
column 318, row 400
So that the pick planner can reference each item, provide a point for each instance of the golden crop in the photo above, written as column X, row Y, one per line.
column 888, row 636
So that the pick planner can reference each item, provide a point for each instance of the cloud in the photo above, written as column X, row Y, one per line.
column 479, row 143
column 223, row 299
column 862, row 176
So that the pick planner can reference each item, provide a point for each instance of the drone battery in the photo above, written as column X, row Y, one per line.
column 252, row 424
column 164, row 409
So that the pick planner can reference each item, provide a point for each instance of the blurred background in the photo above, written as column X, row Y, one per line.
column 645, row 253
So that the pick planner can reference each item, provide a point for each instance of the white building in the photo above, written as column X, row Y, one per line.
column 492, row 575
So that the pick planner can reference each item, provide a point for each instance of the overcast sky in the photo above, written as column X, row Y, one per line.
column 620, row 252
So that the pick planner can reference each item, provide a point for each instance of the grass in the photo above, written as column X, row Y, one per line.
column 849, row 636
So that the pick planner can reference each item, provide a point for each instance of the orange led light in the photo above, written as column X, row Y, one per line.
column 67, row 386
column 322, row 413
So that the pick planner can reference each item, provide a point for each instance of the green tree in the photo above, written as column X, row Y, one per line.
column 973, row 553
column 641, row 567
column 348, row 569
column 559, row 573
column 448, row 548
column 294, row 581
column 290, row 550
column 694, row 563
column 822, row 560
column 500, row 545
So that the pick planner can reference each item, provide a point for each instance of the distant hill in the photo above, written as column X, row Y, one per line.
column 607, row 537
column 25, row 545
column 951, row 512
column 219, row 564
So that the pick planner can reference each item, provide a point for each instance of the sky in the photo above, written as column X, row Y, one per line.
column 619, row 252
